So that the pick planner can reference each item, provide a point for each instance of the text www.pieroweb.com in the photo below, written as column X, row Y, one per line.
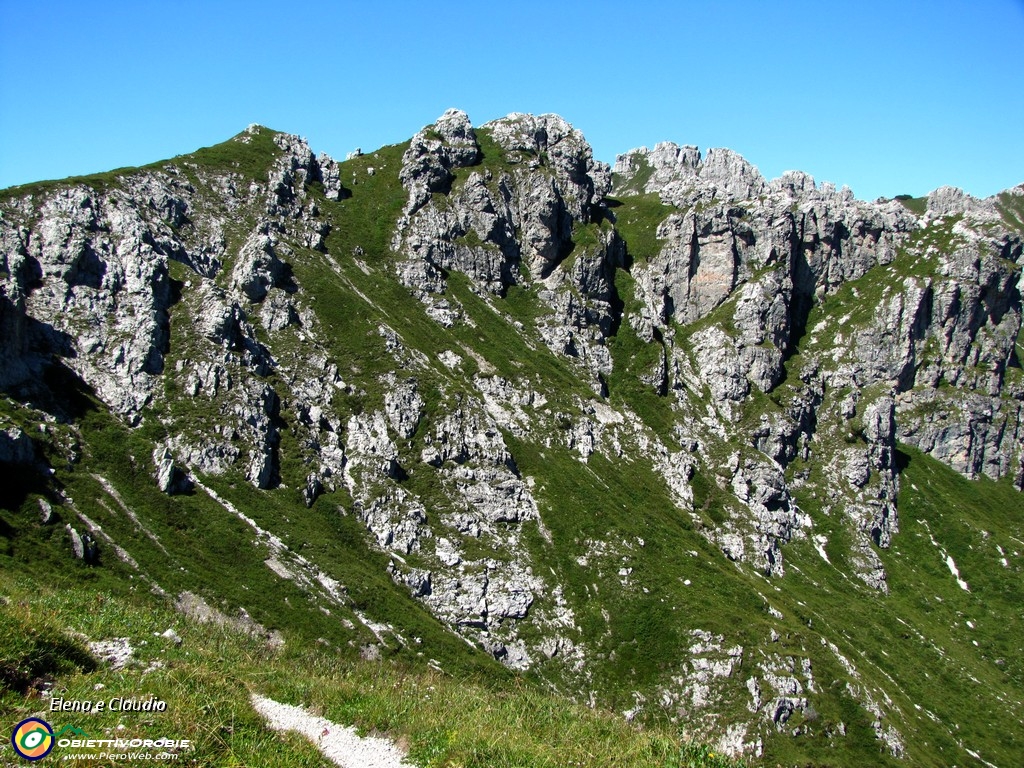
column 122, row 756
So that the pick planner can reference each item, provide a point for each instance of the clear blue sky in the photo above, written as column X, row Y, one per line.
column 886, row 97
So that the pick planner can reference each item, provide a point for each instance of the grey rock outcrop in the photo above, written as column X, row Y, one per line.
column 170, row 479
column 257, row 268
column 434, row 153
column 77, row 546
column 506, row 228
column 681, row 174
column 552, row 181
column 90, row 283
column 91, row 262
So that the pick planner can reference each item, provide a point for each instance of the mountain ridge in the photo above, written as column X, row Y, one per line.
column 742, row 369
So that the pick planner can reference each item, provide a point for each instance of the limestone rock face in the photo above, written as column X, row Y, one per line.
column 949, row 201
column 502, row 228
column 90, row 283
column 434, row 153
column 550, row 141
column 90, row 263
column 257, row 268
column 552, row 181
column 745, row 262
column 680, row 173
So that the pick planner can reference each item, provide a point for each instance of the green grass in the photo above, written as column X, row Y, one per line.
column 636, row 184
column 622, row 503
column 249, row 154
column 36, row 651
column 367, row 218
column 637, row 219
column 494, row 156
column 633, row 358
column 522, row 304
column 585, row 236
column 505, row 347
column 207, row 681
column 1011, row 208
column 252, row 159
column 915, row 642
column 916, row 205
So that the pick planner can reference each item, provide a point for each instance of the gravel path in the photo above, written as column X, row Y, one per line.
column 339, row 743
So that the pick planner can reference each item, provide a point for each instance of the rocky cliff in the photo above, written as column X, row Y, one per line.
column 589, row 415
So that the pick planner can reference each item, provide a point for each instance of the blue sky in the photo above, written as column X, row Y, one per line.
column 886, row 97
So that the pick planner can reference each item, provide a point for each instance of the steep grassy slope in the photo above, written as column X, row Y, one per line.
column 930, row 634
column 206, row 674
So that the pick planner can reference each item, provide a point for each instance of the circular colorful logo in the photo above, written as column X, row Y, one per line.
column 32, row 738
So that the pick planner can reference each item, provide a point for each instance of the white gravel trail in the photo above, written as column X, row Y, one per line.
column 339, row 743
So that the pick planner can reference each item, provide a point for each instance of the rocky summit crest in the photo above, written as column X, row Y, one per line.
column 668, row 436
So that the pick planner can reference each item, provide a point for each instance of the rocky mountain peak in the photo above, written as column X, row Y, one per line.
column 680, row 174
